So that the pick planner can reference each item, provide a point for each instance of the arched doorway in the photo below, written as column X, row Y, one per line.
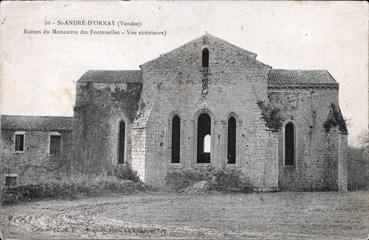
column 203, row 138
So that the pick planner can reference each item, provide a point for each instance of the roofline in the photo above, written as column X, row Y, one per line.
column 301, row 85
column 37, row 129
column 110, row 82
column 251, row 53
column 170, row 51
column 93, row 70
column 284, row 69
column 39, row 116
column 331, row 76
column 42, row 129
column 205, row 34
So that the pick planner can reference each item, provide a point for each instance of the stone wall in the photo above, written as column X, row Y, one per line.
column 35, row 164
column 139, row 151
column 317, row 151
column 99, row 109
column 232, row 85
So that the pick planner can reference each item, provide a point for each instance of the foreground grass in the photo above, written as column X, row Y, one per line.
column 317, row 215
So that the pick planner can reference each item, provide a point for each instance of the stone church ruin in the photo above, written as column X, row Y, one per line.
column 206, row 103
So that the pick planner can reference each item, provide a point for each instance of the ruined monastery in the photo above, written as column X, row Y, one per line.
column 205, row 104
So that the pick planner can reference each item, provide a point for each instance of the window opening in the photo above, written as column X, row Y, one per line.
column 231, row 145
column 289, row 144
column 203, row 138
column 121, row 141
column 176, row 139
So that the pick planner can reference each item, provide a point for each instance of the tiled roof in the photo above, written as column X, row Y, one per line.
column 41, row 123
column 103, row 76
column 300, row 77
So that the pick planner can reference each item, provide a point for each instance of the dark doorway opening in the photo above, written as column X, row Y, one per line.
column 176, row 139
column 203, row 138
column 289, row 145
column 121, row 141
column 231, row 146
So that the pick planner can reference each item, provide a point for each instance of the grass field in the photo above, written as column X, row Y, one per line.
column 317, row 215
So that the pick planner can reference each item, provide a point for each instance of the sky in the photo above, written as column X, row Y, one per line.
column 39, row 71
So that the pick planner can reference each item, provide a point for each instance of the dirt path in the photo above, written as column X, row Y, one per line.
column 251, row 216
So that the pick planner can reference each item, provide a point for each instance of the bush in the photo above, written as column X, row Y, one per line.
column 229, row 179
column 335, row 119
column 219, row 179
column 271, row 115
column 70, row 189
column 124, row 172
column 180, row 179
column 358, row 168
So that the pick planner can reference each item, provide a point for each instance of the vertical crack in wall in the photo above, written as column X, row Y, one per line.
column 205, row 83
column 205, row 73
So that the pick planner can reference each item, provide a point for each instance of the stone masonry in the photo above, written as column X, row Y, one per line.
column 231, row 83
column 205, row 104
column 35, row 160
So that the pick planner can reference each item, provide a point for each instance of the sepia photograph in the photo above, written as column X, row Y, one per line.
column 184, row 120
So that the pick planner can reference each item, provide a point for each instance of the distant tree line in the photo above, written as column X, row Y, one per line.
column 358, row 166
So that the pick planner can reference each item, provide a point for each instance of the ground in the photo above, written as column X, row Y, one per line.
column 287, row 215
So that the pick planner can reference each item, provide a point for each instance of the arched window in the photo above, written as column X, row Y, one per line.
column 176, row 139
column 203, row 138
column 289, row 144
column 231, row 145
column 205, row 57
column 207, row 144
column 121, row 141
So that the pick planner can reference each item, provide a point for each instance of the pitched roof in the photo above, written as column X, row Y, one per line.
column 103, row 76
column 41, row 123
column 251, row 54
column 284, row 77
column 208, row 38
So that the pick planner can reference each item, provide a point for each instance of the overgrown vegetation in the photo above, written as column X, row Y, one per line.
column 124, row 172
column 94, row 108
column 70, row 189
column 358, row 168
column 120, row 179
column 205, row 83
column 271, row 115
column 219, row 179
column 335, row 119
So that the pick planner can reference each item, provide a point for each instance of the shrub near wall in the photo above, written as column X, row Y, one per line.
column 70, row 189
column 120, row 179
column 124, row 172
column 358, row 169
column 219, row 179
